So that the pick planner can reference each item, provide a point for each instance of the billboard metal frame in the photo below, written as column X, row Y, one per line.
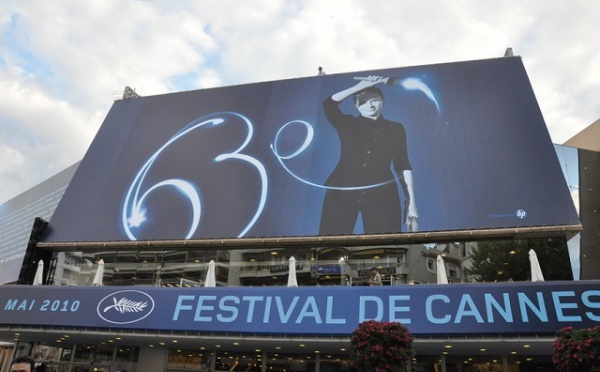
column 339, row 240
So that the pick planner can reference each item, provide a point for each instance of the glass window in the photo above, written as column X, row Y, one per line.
column 453, row 271
column 23, row 348
column 290, row 362
column 187, row 359
column 431, row 265
column 127, row 358
column 49, row 352
column 57, row 368
column 96, row 354
column 269, row 266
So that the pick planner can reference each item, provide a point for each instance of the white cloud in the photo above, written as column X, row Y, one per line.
column 39, row 135
column 63, row 62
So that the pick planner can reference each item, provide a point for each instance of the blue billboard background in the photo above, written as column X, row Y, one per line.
column 518, row 308
column 253, row 160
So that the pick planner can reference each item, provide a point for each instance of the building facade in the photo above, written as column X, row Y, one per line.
column 257, row 221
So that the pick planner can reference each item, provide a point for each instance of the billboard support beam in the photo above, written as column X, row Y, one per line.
column 337, row 240
column 33, row 254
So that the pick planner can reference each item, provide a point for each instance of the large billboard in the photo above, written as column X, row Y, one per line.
column 457, row 146
column 496, row 308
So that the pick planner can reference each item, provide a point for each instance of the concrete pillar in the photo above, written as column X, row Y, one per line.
column 152, row 359
column 213, row 360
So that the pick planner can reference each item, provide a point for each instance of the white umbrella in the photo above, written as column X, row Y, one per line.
column 99, row 274
column 536, row 270
column 38, row 279
column 292, row 281
column 442, row 278
column 211, row 280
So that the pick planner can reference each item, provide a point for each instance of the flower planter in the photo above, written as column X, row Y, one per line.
column 381, row 347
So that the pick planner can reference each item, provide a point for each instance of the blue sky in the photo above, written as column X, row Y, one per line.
column 64, row 62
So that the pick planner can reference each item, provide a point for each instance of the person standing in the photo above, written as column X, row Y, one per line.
column 375, row 278
column 373, row 160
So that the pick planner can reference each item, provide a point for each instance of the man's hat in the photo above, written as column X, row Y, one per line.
column 367, row 94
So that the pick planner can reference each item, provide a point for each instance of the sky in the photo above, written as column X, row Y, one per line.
column 64, row 62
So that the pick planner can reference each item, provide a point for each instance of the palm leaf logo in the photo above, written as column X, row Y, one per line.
column 125, row 305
